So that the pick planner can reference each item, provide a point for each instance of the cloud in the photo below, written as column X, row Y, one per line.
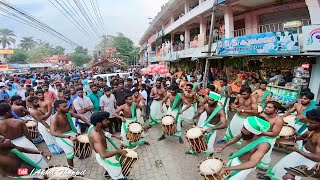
column 127, row 16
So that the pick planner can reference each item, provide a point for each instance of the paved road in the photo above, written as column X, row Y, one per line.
column 176, row 165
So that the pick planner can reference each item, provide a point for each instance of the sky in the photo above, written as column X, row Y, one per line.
column 131, row 17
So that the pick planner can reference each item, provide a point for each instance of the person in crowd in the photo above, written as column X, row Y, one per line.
column 277, row 77
column 4, row 94
column 108, row 104
column 225, row 91
column 48, row 94
column 11, row 92
column 158, row 93
column 263, row 95
column 129, row 84
column 95, row 96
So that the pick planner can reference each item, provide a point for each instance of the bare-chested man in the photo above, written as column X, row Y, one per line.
column 276, row 124
column 246, row 105
column 44, row 105
column 307, row 156
column 12, row 158
column 263, row 95
column 129, row 115
column 191, row 96
column 254, row 147
column 216, row 120
column 17, row 132
column 63, row 128
column 98, row 141
column 225, row 91
column 141, row 103
column 157, row 94
column 43, row 123
column 176, row 101
column 18, row 111
column 300, row 123
column 195, row 85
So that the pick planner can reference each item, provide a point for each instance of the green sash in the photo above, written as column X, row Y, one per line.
column 194, row 86
column 312, row 105
column 73, row 129
column 176, row 100
column 133, row 110
column 25, row 158
column 213, row 114
column 110, row 140
column 264, row 97
column 225, row 90
column 246, row 149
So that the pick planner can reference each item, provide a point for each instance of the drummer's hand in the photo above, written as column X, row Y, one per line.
column 208, row 131
column 118, row 137
column 291, row 138
column 301, row 117
column 191, row 122
column 123, row 119
column 181, row 112
column 219, row 150
column 291, row 148
column 122, row 152
column 223, row 172
column 48, row 130
column 142, row 115
column 72, row 138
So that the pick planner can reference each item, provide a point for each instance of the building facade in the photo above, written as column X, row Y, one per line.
column 181, row 29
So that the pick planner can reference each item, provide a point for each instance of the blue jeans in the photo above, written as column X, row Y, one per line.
column 148, row 107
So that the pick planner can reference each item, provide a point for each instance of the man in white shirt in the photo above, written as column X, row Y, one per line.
column 107, row 104
column 83, row 106
column 21, row 90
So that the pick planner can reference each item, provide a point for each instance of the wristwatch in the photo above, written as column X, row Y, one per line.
column 242, row 110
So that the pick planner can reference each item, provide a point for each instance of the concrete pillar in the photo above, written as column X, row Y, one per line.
column 228, row 21
column 247, row 22
column 314, row 80
column 254, row 23
column 186, row 6
column 171, row 19
column 314, row 10
column 203, row 32
column 186, row 38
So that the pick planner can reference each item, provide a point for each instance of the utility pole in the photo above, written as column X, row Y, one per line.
column 213, row 21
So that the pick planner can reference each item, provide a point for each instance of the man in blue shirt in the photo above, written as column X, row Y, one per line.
column 4, row 94
column 95, row 96
column 11, row 92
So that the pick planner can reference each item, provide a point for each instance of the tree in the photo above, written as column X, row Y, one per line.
column 19, row 57
column 27, row 43
column 81, row 50
column 41, row 51
column 6, row 37
column 59, row 50
column 79, row 59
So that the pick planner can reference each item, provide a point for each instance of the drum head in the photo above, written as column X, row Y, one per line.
column 289, row 119
column 131, row 153
column 194, row 133
column 287, row 131
column 83, row 138
column 31, row 123
column 135, row 127
column 167, row 120
column 60, row 172
column 210, row 166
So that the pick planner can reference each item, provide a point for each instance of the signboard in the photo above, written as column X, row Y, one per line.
column 283, row 95
column 4, row 67
column 311, row 36
column 292, row 24
column 282, row 42
column 6, row 51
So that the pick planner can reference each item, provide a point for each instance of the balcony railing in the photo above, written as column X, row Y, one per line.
column 267, row 28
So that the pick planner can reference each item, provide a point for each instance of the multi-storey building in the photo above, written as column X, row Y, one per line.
column 280, row 28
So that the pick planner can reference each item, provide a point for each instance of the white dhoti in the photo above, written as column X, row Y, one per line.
column 210, row 138
column 176, row 116
column 111, row 165
column 293, row 159
column 155, row 112
column 238, row 175
column 124, row 131
column 66, row 144
column 189, row 113
column 235, row 126
column 139, row 118
column 203, row 117
column 76, row 125
column 49, row 139
column 36, row 158
column 265, row 161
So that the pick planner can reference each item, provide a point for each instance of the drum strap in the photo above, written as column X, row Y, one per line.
column 176, row 100
column 194, row 86
column 73, row 129
column 264, row 97
column 133, row 110
column 15, row 115
column 25, row 158
column 213, row 114
column 225, row 90
column 304, row 113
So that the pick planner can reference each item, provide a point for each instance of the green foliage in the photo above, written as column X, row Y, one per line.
column 7, row 37
column 27, row 43
column 81, row 50
column 79, row 59
column 19, row 57
column 59, row 50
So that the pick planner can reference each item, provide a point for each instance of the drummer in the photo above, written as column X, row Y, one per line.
column 300, row 123
column 246, row 105
column 18, row 111
column 276, row 124
column 225, row 91
column 216, row 120
column 262, row 94
column 63, row 128
column 308, row 155
column 191, row 96
column 254, row 147
column 129, row 115
column 98, row 142
column 141, row 103
column 176, row 100
column 157, row 94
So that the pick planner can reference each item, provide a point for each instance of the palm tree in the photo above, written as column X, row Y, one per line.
column 27, row 43
column 6, row 37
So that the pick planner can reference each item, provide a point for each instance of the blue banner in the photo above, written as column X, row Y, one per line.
column 282, row 42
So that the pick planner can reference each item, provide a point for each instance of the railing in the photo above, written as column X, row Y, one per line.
column 267, row 28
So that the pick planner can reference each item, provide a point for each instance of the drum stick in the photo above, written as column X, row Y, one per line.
column 112, row 143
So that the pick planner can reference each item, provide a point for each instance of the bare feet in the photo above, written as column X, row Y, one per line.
column 161, row 138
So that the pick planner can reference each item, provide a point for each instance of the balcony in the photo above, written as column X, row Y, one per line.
column 267, row 28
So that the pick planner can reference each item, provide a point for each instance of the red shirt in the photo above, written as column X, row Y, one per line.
column 50, row 96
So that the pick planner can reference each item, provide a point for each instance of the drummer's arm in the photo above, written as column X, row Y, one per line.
column 200, row 111
column 312, row 156
column 303, row 136
column 26, row 112
column 152, row 94
column 254, row 159
column 100, row 148
column 164, row 100
column 229, row 92
column 54, row 128
column 275, row 129
column 293, row 109
column 117, row 115
column 75, row 115
column 28, row 150
column 41, row 118
column 254, row 107
column 232, row 141
column 205, row 100
column 223, row 121
column 186, row 102
column 269, row 98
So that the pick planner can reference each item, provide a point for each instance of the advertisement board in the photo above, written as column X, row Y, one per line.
column 311, row 36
